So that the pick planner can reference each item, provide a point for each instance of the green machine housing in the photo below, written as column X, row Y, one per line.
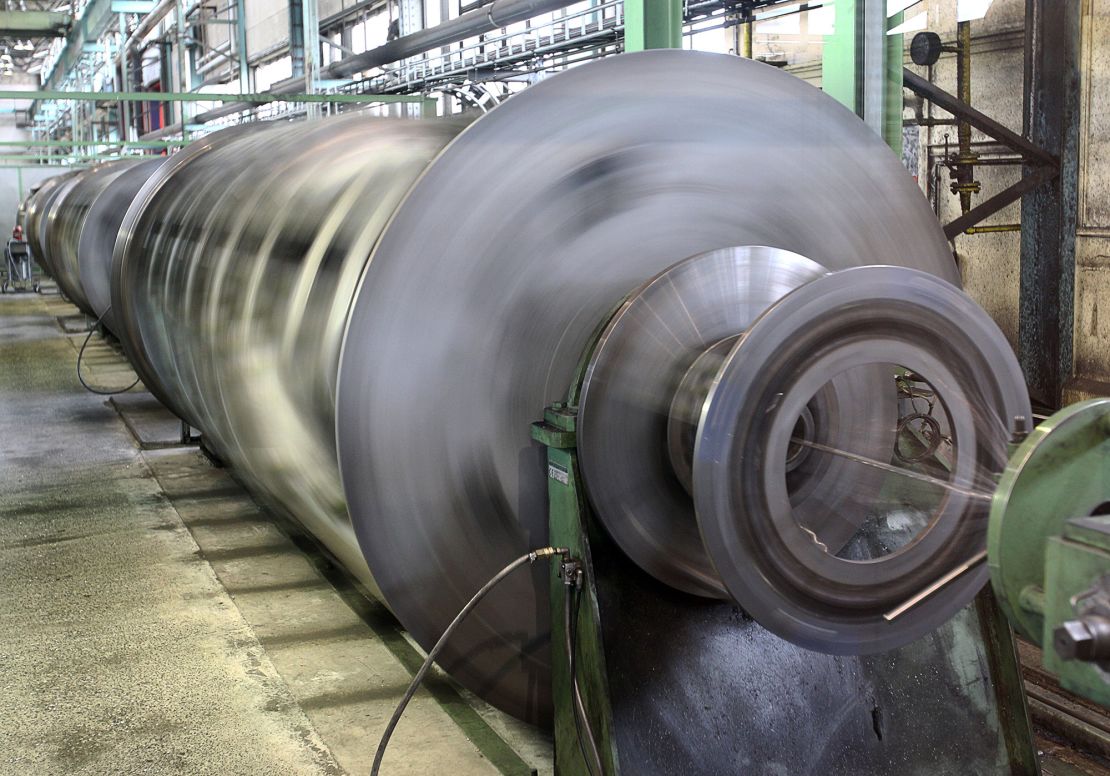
column 1049, row 545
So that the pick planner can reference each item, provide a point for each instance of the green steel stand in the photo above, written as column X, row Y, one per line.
column 569, row 527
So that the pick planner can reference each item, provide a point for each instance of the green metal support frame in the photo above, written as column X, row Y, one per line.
column 652, row 24
column 258, row 98
column 568, row 527
column 65, row 159
column 1048, row 541
column 849, row 64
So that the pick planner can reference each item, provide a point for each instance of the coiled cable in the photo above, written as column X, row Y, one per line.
column 81, row 354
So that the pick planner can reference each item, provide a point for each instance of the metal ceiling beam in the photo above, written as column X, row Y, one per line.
column 156, row 144
column 34, row 24
column 66, row 158
column 253, row 99
column 94, row 21
column 476, row 22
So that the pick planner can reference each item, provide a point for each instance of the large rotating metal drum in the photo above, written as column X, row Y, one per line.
column 64, row 221
column 37, row 208
column 511, row 249
column 234, row 275
column 116, row 190
column 411, row 295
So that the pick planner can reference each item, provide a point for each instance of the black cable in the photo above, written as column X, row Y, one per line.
column 570, row 634
column 81, row 354
column 419, row 677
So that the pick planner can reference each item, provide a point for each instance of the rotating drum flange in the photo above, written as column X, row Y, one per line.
column 647, row 381
column 770, row 561
column 815, row 370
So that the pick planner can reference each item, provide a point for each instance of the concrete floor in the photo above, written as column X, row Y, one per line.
column 153, row 619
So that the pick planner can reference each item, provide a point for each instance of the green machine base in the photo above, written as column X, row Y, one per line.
column 674, row 684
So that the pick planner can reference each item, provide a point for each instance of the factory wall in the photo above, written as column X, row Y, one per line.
column 989, row 263
column 16, row 181
column 15, row 184
column 268, row 25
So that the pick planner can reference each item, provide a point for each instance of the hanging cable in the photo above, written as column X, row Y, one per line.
column 81, row 354
column 572, row 583
column 414, row 685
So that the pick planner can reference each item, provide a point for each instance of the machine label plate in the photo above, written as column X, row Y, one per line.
column 558, row 473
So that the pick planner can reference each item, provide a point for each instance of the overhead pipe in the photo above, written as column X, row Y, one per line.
column 500, row 13
column 146, row 26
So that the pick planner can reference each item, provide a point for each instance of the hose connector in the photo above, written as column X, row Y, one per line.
column 547, row 552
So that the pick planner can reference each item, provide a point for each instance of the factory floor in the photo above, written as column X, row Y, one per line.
column 153, row 619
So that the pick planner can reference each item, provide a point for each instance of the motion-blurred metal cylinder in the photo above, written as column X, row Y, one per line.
column 37, row 207
column 115, row 191
column 66, row 218
column 234, row 274
column 413, row 299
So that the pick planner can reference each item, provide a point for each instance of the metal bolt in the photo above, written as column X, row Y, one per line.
column 1087, row 638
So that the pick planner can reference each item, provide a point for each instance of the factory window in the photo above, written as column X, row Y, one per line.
column 377, row 27
column 358, row 37
column 433, row 14
column 269, row 73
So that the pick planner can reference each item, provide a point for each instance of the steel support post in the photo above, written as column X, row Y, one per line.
column 652, row 24
column 862, row 66
column 410, row 19
column 1046, row 304
column 241, row 46
column 296, row 37
column 165, row 78
column 311, row 15
column 183, row 77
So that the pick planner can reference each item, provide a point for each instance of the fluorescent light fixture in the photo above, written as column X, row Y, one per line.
column 776, row 12
column 970, row 10
column 913, row 24
column 897, row 6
